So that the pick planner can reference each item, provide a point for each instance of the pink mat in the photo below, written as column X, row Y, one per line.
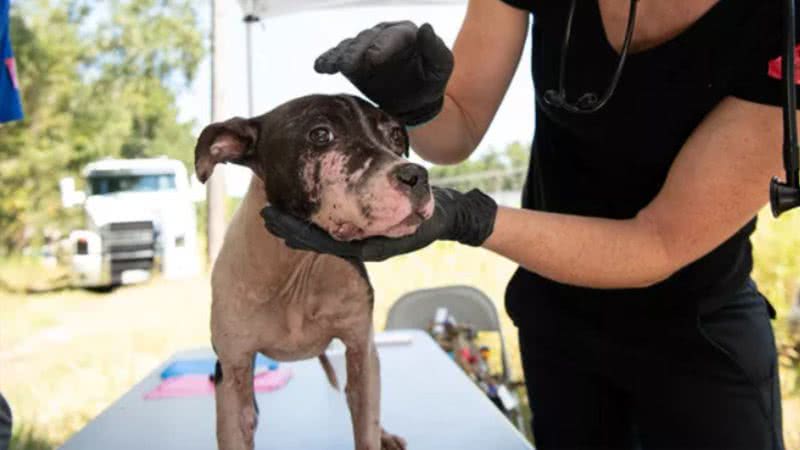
column 193, row 385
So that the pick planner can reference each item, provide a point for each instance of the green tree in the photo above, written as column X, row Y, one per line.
column 97, row 80
column 151, row 50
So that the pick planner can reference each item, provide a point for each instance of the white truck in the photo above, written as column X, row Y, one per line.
column 140, row 218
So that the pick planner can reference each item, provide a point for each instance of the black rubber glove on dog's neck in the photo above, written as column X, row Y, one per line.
column 465, row 218
column 402, row 68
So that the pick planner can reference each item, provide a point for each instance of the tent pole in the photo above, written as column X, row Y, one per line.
column 249, row 20
column 215, row 186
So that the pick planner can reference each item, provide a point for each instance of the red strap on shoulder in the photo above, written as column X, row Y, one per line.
column 775, row 66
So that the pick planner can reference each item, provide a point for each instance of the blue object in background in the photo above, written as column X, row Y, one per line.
column 205, row 366
column 263, row 361
column 10, row 104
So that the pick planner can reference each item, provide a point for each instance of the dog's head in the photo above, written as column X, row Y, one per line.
column 335, row 160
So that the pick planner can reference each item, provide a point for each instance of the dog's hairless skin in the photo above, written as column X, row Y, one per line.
column 335, row 161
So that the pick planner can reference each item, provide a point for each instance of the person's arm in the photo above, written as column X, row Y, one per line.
column 487, row 52
column 717, row 183
column 446, row 100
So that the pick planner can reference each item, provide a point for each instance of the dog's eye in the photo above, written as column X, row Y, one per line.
column 320, row 136
column 397, row 136
column 399, row 139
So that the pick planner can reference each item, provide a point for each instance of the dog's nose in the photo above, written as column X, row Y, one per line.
column 412, row 175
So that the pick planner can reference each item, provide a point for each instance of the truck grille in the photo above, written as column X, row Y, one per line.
column 128, row 235
column 130, row 245
column 132, row 264
column 127, row 226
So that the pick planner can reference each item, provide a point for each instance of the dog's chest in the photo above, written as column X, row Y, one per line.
column 296, row 318
column 308, row 323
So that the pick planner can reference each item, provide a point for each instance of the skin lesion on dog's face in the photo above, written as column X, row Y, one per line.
column 343, row 169
column 336, row 161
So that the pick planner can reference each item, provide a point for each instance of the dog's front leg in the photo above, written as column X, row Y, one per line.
column 364, row 397
column 236, row 410
column 363, row 393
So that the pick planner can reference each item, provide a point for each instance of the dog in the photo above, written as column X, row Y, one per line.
column 336, row 161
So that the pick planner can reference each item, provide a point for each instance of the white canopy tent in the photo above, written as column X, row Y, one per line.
column 269, row 8
column 254, row 10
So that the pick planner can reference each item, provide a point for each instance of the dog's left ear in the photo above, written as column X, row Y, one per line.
column 230, row 141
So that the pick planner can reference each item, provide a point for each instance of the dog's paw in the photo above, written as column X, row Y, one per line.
column 391, row 442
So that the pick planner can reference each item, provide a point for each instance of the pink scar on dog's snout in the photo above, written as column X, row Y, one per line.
column 354, row 207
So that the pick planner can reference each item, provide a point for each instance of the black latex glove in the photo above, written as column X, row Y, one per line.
column 466, row 218
column 402, row 68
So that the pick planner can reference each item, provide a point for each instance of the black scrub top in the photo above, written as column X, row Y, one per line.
column 612, row 163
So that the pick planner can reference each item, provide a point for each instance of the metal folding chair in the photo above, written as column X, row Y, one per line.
column 466, row 304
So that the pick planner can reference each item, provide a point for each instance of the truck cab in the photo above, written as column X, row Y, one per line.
column 139, row 219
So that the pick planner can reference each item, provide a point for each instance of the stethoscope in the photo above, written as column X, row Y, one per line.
column 783, row 195
column 786, row 195
column 588, row 103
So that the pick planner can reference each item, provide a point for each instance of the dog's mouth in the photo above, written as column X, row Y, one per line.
column 411, row 222
column 348, row 231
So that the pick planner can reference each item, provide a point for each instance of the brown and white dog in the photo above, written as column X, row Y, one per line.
column 336, row 161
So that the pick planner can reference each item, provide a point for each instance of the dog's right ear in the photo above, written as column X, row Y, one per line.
column 230, row 141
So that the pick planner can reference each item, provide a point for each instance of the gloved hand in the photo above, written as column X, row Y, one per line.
column 466, row 218
column 402, row 68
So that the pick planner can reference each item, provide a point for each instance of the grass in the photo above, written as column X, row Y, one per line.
column 776, row 250
column 94, row 348
column 26, row 438
column 66, row 355
column 27, row 274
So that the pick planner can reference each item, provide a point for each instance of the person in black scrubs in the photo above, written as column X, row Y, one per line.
column 639, row 325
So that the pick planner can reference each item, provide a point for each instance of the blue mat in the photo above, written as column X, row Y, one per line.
column 205, row 366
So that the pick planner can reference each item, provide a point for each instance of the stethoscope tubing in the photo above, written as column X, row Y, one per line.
column 588, row 103
column 783, row 196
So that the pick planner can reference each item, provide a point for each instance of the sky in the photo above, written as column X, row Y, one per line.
column 284, row 50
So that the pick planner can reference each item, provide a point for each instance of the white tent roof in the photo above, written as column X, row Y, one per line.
column 267, row 8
